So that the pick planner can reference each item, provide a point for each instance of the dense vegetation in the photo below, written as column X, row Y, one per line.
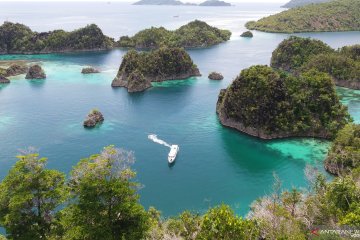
column 158, row 65
column 298, row 55
column 191, row 35
column 17, row 38
column 300, row 3
column 344, row 155
column 268, row 103
column 337, row 15
column 99, row 200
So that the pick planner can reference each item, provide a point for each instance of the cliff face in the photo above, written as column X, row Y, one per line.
column 155, row 66
column 19, row 39
column 268, row 104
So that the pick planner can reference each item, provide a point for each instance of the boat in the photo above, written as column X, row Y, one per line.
column 173, row 152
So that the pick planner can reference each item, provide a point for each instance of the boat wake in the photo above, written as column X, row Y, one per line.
column 154, row 138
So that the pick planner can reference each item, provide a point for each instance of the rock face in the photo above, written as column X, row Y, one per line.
column 269, row 104
column 93, row 118
column 138, row 70
column 35, row 72
column 89, row 70
column 4, row 80
column 137, row 82
column 16, row 69
column 247, row 34
column 215, row 76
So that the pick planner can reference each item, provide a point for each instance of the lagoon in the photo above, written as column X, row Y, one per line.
column 214, row 165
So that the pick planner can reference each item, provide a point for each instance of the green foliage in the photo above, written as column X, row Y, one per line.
column 338, row 15
column 299, row 3
column 104, row 203
column 29, row 196
column 297, row 55
column 157, row 64
column 221, row 223
column 277, row 103
column 344, row 154
column 193, row 34
column 18, row 38
column 293, row 52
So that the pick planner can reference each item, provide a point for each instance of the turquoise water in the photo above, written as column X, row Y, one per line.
column 214, row 165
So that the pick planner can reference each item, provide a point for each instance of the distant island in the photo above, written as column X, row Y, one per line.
column 17, row 38
column 269, row 104
column 139, row 69
column 196, row 34
column 300, row 3
column 297, row 55
column 215, row 3
column 334, row 16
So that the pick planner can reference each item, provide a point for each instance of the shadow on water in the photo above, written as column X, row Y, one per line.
column 249, row 153
column 37, row 83
column 3, row 85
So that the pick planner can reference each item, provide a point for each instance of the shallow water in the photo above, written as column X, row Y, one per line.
column 214, row 165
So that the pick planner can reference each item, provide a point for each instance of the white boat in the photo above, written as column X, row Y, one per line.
column 173, row 152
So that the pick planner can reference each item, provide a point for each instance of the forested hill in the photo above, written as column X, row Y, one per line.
column 334, row 16
column 300, row 3
column 16, row 38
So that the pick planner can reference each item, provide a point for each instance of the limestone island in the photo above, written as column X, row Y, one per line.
column 139, row 69
column 297, row 55
column 215, row 3
column 19, row 39
column 94, row 118
column 215, row 76
column 247, row 34
column 333, row 16
column 196, row 34
column 344, row 154
column 89, row 70
column 269, row 104
column 35, row 72
column 12, row 70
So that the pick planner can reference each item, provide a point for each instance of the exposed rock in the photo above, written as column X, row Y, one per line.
column 215, row 76
column 16, row 69
column 93, row 118
column 137, row 82
column 35, row 72
column 89, row 70
column 4, row 80
column 247, row 34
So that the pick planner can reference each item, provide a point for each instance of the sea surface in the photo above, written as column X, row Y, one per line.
column 215, row 164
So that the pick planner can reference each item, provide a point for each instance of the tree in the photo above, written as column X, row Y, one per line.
column 29, row 195
column 104, row 203
column 221, row 223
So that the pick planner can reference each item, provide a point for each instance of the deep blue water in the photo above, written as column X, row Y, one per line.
column 214, row 165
